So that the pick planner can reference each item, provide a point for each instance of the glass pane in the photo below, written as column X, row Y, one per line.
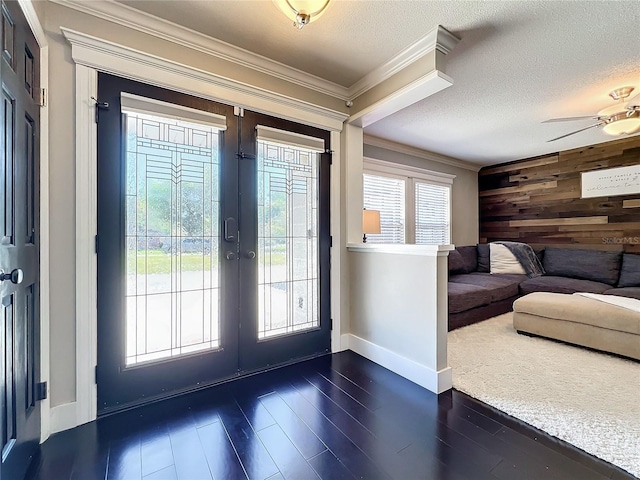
column 287, row 239
column 432, row 213
column 172, row 205
column 387, row 195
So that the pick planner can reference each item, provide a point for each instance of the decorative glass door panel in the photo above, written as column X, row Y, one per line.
column 213, row 257
column 287, row 239
column 172, row 221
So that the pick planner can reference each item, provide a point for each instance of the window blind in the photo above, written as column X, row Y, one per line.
column 432, row 213
column 386, row 194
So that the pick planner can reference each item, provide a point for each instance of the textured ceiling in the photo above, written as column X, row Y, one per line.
column 518, row 63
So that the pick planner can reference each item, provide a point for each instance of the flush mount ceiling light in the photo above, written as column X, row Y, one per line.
column 623, row 118
column 302, row 12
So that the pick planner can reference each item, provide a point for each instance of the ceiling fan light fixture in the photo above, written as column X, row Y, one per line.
column 302, row 12
column 623, row 124
column 621, row 93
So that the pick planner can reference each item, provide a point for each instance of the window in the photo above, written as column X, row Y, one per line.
column 386, row 194
column 414, row 204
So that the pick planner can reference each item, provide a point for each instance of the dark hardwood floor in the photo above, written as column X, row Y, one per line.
column 334, row 417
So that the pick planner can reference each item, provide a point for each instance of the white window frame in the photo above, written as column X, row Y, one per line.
column 411, row 176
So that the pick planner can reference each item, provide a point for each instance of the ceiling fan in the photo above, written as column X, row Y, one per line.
column 619, row 119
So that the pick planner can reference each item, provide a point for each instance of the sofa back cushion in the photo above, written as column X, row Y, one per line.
column 484, row 258
column 456, row 263
column 470, row 257
column 630, row 272
column 592, row 265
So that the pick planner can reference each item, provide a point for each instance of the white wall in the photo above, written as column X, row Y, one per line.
column 399, row 310
column 464, row 194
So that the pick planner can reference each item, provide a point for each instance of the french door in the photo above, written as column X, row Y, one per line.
column 213, row 242
column 19, row 245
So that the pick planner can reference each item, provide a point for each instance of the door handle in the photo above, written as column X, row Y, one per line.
column 230, row 256
column 15, row 276
column 230, row 227
column 250, row 254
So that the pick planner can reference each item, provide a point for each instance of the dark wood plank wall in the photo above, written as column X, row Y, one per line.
column 537, row 200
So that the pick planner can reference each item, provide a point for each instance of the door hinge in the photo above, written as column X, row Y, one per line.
column 95, row 375
column 330, row 154
column 330, row 241
column 98, row 106
column 238, row 111
column 43, row 97
column 331, row 324
column 96, row 243
column 41, row 391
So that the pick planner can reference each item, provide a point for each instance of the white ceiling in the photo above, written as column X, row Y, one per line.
column 517, row 64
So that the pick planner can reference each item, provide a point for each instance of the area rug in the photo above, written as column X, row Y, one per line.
column 589, row 399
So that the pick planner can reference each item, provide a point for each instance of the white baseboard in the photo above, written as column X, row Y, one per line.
column 435, row 381
column 64, row 417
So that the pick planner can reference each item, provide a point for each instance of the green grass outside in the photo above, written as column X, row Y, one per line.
column 160, row 262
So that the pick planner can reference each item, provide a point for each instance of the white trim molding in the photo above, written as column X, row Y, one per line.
column 86, row 259
column 419, row 153
column 434, row 381
column 151, row 25
column 439, row 38
column 64, row 417
column 401, row 170
column 402, row 248
column 116, row 59
column 419, row 89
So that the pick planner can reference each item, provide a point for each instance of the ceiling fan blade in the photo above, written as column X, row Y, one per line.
column 634, row 103
column 569, row 119
column 577, row 131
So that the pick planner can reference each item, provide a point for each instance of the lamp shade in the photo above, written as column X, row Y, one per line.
column 370, row 221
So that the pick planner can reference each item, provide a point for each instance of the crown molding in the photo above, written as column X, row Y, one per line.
column 419, row 153
column 439, row 38
column 110, row 57
column 151, row 25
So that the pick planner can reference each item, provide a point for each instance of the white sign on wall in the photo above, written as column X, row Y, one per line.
column 612, row 181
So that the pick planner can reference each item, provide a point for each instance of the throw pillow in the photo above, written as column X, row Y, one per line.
column 456, row 263
column 484, row 263
column 630, row 272
column 503, row 261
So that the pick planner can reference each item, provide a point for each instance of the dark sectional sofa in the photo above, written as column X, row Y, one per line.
column 475, row 294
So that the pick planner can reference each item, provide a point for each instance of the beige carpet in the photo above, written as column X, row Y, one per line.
column 588, row 399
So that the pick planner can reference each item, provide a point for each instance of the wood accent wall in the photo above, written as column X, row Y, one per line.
column 537, row 200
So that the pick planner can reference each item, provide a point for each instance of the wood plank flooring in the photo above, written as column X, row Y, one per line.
column 335, row 417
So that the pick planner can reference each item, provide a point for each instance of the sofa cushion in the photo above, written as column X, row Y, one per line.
column 456, row 263
column 598, row 266
column 484, row 258
column 464, row 297
column 630, row 271
column 500, row 286
column 549, row 283
column 631, row 292
column 470, row 256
